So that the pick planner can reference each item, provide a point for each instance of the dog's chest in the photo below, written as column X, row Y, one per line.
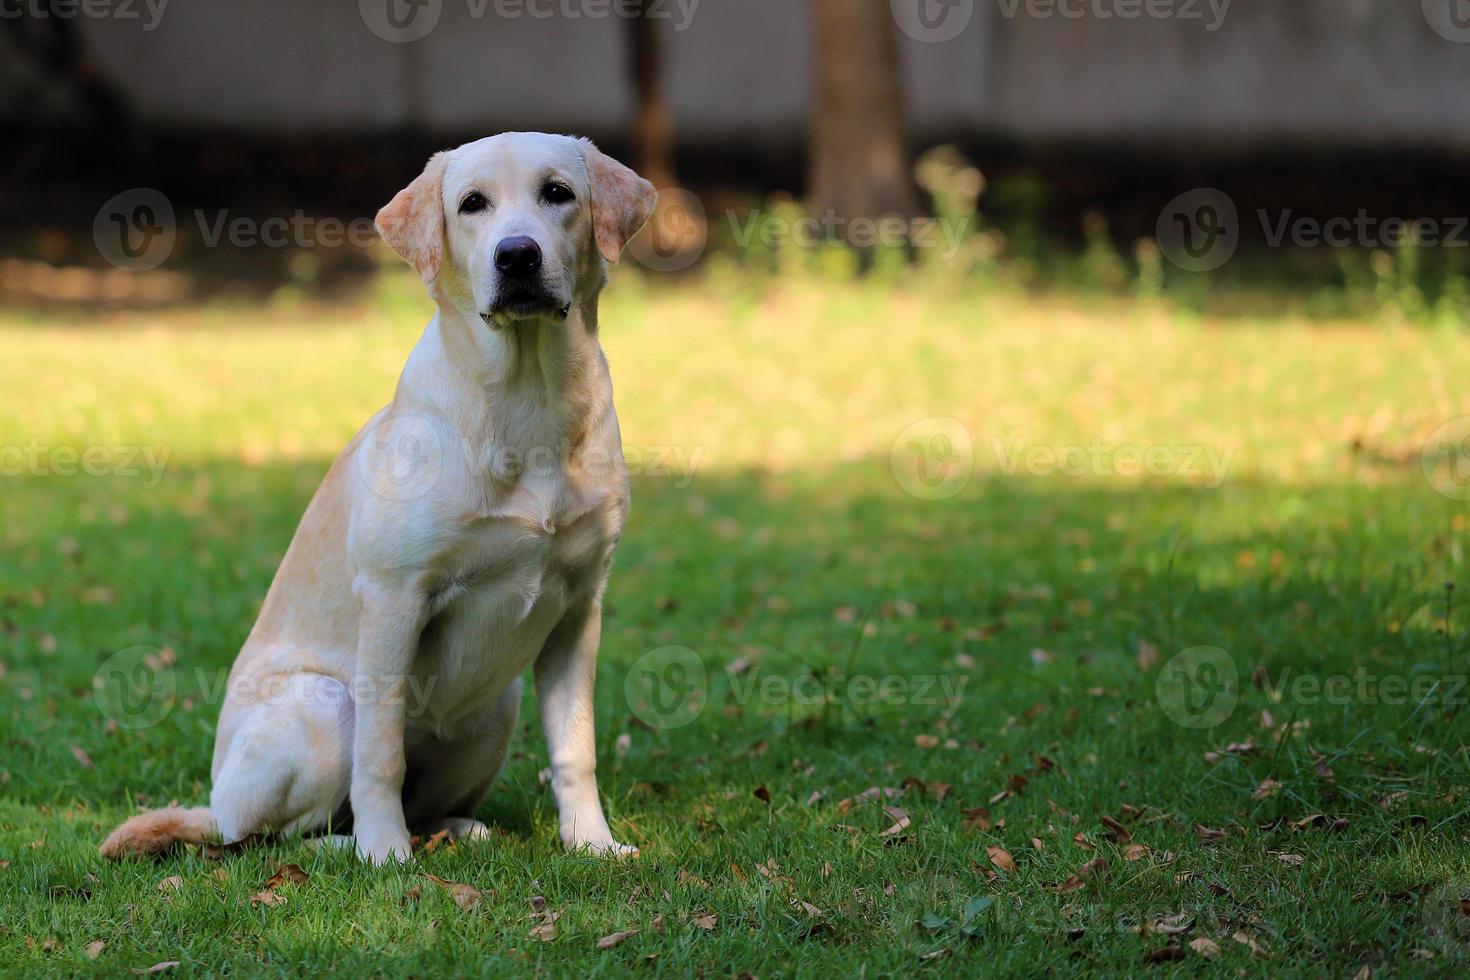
column 523, row 565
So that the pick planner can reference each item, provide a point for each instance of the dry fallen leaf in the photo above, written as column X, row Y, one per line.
column 706, row 921
column 269, row 899
column 1001, row 858
column 1208, row 833
column 1292, row 859
column 1268, row 788
column 170, row 884
column 161, row 967
column 94, row 949
column 81, row 756
column 1135, row 852
column 465, row 896
column 287, row 874
column 609, row 941
column 927, row 741
column 900, row 818
column 1247, row 941
column 545, row 930
column 1119, row 832
column 1207, row 948
column 1173, row 925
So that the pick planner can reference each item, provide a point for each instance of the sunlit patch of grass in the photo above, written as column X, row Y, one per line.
column 770, row 532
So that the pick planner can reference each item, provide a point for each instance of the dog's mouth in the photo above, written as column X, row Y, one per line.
column 524, row 302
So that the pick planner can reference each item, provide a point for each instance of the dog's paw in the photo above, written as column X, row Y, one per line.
column 604, row 848
column 380, row 849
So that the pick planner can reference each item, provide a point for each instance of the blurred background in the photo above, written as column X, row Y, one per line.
column 1068, row 129
column 1025, row 345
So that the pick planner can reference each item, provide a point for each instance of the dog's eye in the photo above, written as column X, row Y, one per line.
column 473, row 202
column 554, row 193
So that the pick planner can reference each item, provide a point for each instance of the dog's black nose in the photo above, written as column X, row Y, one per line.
column 518, row 257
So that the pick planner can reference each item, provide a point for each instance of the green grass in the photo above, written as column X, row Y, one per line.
column 792, row 547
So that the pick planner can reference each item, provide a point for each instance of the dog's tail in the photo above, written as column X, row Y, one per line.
column 157, row 831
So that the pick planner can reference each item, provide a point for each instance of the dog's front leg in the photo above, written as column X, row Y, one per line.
column 390, row 619
column 565, row 672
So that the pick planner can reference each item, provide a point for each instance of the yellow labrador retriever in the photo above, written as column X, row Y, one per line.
column 464, row 535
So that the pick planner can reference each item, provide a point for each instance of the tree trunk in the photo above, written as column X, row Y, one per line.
column 653, row 123
column 859, row 161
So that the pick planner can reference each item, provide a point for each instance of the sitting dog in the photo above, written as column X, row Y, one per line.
column 464, row 535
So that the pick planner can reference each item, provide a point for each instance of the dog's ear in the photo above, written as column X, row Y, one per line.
column 413, row 222
column 622, row 201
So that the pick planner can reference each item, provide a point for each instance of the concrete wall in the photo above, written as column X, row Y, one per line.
column 1298, row 72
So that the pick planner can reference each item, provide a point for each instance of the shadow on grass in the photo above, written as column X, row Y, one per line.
column 1043, row 586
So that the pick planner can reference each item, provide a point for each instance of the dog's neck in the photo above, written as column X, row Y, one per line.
column 535, row 381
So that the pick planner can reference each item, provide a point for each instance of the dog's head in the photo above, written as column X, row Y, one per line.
column 517, row 225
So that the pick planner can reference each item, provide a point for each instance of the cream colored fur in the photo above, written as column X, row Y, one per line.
column 463, row 536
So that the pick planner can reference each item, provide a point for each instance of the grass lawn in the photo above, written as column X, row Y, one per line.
column 986, row 649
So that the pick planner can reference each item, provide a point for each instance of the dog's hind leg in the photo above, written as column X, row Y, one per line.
column 288, row 766
column 451, row 779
